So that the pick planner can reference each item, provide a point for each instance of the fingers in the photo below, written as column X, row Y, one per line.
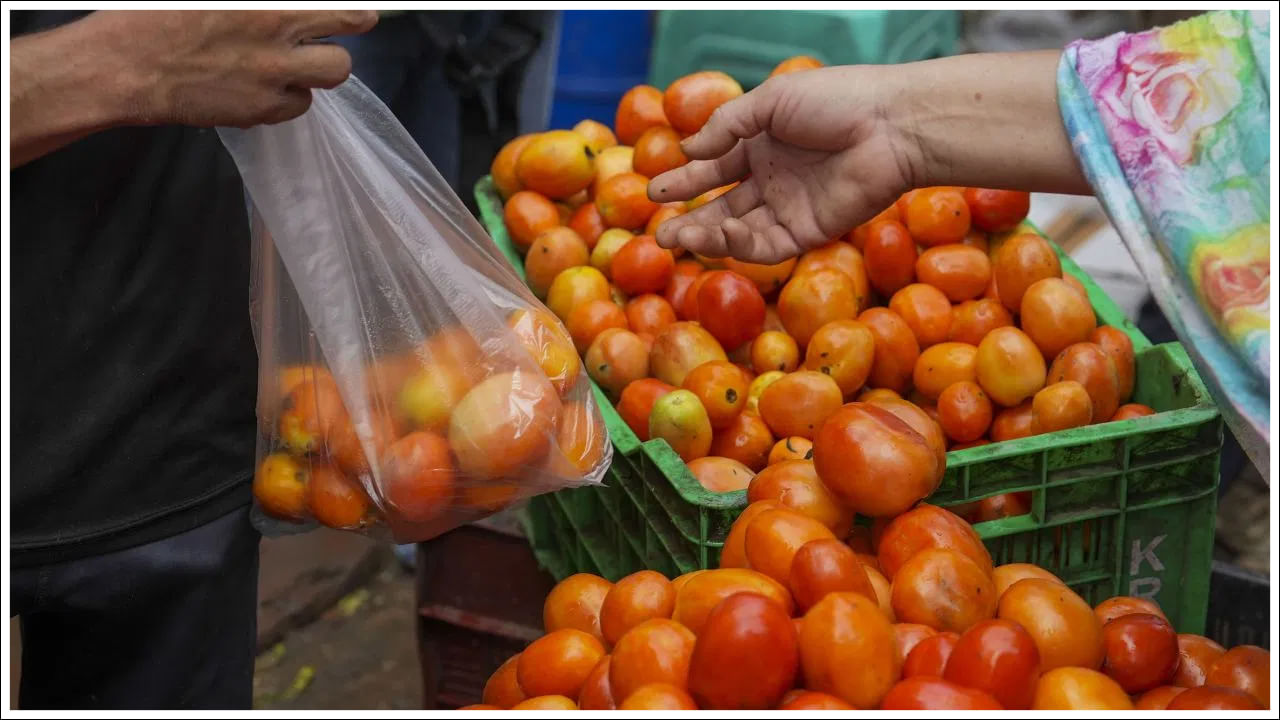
column 308, row 25
column 318, row 65
column 292, row 103
column 694, row 178
column 703, row 225
column 758, row 238
column 743, row 117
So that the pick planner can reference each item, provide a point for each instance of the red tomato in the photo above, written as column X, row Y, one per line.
column 731, row 308
column 929, row 657
column 746, row 656
column 1000, row 658
column 1208, row 697
column 1141, row 652
column 931, row 693
column 997, row 210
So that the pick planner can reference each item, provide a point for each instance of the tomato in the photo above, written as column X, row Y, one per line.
column 527, row 215
column 588, row 320
column 943, row 365
column 944, row 590
column 859, row 235
column 638, row 110
column 623, row 201
column 1196, row 656
column 576, row 286
column 638, row 597
column 657, row 150
column 679, row 418
column 680, row 348
column 557, row 163
column 659, row 696
column 923, row 422
column 844, row 350
column 875, row 394
column 635, row 404
column 418, row 474
column 931, row 693
column 794, row 484
column 909, row 635
column 964, row 411
column 842, row 256
column 746, row 657
column 998, row 657
column 503, row 168
column 734, row 552
column 1002, row 506
column 1131, row 411
column 703, row 592
column 1157, row 699
column 799, row 403
column 597, row 693
column 1122, row 605
column 547, row 702
column 1214, row 698
column 1063, row 625
column 616, row 358
column 973, row 319
column 558, row 663
column 774, row 350
column 502, row 689
column 689, row 101
column 336, row 500
column 959, row 271
column 1078, row 688
column 1115, row 343
column 884, row 591
column 767, row 278
column 746, row 439
column 575, row 603
column 1012, row 423
column 1054, row 316
column 798, row 63
column 927, row 527
column 929, row 656
column 1019, row 263
column 809, row 700
column 997, row 210
column 720, row 474
column 861, row 444
column 587, row 223
column 553, row 251
column 809, row 301
column 722, row 389
column 730, row 308
column 1060, row 406
column 655, row 651
column 642, row 267
column 848, row 649
column 896, row 349
column 280, row 487
column 791, row 448
column 1089, row 365
column 890, row 255
column 1009, row 366
column 682, row 277
column 649, row 313
column 606, row 250
column 937, row 216
column 925, row 310
column 1141, row 652
column 610, row 162
column 825, row 566
column 775, row 536
column 1246, row 668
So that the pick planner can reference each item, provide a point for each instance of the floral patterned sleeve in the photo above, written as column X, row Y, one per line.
column 1172, row 128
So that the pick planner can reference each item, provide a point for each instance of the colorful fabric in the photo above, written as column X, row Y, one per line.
column 1172, row 127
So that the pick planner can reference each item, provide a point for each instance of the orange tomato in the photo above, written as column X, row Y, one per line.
column 796, row 64
column 655, row 651
column 799, row 403
column 689, row 101
column 640, row 596
column 809, row 301
column 659, row 696
column 923, row 421
column 502, row 689
column 997, row 210
column 623, row 201
column 929, row 656
column 1060, row 406
column 598, row 135
column 767, row 278
column 1196, row 656
column 721, row 388
column 597, row 693
column 775, row 536
column 1122, row 605
column 896, row 349
column 1214, row 698
column 1078, row 688
column 861, row 444
column 1246, row 668
column 616, row 358
column 944, row 590
column 964, row 411
column 858, row 236
column 547, row 702
column 959, row 271
column 730, row 308
column 720, row 474
column 795, row 485
column 878, row 394
column 680, row 348
column 1001, row 506
column 890, row 254
column 824, row 566
column 702, row 593
column 884, row 591
column 638, row 110
column 336, row 500
column 937, row 216
column 1115, row 343
column 973, row 319
column 843, row 632
column 1009, row 366
column 1131, row 411
column 575, row 603
column 927, row 527
column 1021, row 261
column 556, row 163
column 746, row 439
column 943, row 365
column 842, row 256
column 809, row 700
column 503, row 168
column 931, row 693
column 925, row 310
column 774, row 350
column 843, row 350
column 558, row 663
column 1012, row 423
column 576, row 286
column 553, row 251
column 1089, row 365
column 589, row 319
column 649, row 313
column 734, row 552
column 280, row 487
column 1063, row 625
column 1055, row 316
column 1006, row 575
column 657, row 150
column 746, row 656
column 791, row 448
column 418, row 472
column 1157, row 699
column 611, row 161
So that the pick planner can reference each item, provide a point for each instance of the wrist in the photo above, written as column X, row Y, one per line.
column 115, row 70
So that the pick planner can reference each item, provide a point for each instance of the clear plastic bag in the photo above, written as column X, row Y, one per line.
column 408, row 380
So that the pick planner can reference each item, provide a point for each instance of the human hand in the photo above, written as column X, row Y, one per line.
column 822, row 156
column 230, row 68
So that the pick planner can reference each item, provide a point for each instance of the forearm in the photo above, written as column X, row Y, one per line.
column 988, row 120
column 65, row 84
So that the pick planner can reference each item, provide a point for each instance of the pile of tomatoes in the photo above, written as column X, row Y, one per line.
column 939, row 325
column 907, row 615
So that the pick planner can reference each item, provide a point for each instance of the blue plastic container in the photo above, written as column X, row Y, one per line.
column 603, row 53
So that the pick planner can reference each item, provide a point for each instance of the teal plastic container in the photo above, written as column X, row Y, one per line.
column 748, row 44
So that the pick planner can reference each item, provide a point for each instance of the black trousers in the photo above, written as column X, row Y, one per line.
column 167, row 625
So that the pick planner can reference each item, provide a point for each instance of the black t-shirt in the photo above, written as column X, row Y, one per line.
column 133, row 363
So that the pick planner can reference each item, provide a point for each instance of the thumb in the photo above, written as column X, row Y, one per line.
column 742, row 117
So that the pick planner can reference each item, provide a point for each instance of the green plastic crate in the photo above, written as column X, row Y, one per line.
column 1123, row 508
column 748, row 44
